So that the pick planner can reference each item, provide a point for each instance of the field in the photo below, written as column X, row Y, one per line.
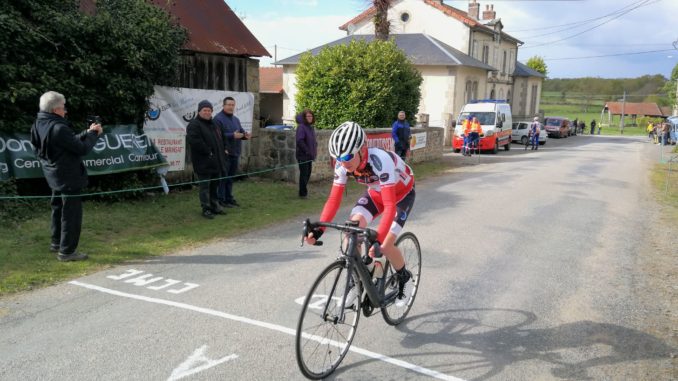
column 580, row 107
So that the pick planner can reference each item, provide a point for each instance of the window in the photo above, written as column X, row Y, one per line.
column 468, row 93
column 486, row 54
column 501, row 94
column 474, row 92
column 492, row 94
column 503, row 63
column 404, row 17
column 533, row 100
column 474, row 50
column 508, row 97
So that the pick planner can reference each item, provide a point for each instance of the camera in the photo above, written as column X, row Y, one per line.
column 93, row 119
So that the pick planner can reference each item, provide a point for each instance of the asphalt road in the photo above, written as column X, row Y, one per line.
column 528, row 274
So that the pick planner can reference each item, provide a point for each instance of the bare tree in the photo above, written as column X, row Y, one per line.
column 381, row 24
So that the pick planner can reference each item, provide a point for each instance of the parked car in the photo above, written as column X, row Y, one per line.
column 280, row 127
column 520, row 131
column 557, row 126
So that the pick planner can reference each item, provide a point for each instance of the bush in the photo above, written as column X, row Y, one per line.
column 105, row 63
column 364, row 82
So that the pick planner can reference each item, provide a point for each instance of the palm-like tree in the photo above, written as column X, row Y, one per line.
column 381, row 23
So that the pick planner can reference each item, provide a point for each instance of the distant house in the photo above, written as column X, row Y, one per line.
column 271, row 90
column 634, row 110
column 461, row 57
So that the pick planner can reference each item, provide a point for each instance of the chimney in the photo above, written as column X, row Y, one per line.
column 474, row 9
column 489, row 13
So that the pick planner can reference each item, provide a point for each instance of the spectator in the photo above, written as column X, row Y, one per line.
column 593, row 126
column 60, row 152
column 306, row 150
column 208, row 155
column 649, row 129
column 582, row 127
column 655, row 133
column 233, row 136
column 673, row 127
column 665, row 133
column 575, row 124
column 535, row 130
column 400, row 129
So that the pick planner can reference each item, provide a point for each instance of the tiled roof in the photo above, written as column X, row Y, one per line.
column 419, row 48
column 446, row 9
column 270, row 80
column 213, row 28
column 630, row 108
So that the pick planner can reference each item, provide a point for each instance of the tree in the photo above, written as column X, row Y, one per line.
column 381, row 24
column 105, row 63
column 537, row 63
column 364, row 82
column 670, row 87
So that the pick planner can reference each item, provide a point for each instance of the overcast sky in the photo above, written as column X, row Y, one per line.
column 569, row 34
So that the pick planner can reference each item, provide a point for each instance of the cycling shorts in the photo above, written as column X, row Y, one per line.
column 366, row 207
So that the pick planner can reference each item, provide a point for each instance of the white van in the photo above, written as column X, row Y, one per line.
column 495, row 119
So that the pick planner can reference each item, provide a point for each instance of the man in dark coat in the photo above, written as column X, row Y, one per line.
column 60, row 152
column 233, row 134
column 208, row 156
column 400, row 130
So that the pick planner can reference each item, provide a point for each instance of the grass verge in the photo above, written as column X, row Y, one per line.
column 113, row 233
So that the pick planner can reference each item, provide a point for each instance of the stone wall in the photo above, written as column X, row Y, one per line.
column 276, row 149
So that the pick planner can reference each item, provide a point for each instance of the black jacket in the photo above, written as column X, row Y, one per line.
column 207, row 147
column 60, row 151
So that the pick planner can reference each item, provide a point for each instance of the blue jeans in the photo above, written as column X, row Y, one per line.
column 225, row 191
column 535, row 140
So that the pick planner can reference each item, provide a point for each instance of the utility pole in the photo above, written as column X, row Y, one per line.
column 275, row 53
column 621, row 121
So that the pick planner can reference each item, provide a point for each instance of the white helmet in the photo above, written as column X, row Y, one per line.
column 346, row 139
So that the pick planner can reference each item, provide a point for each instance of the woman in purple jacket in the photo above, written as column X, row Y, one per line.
column 307, row 149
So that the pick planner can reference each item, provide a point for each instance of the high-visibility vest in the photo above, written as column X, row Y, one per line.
column 467, row 127
column 475, row 127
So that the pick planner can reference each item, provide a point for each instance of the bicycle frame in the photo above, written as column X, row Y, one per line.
column 353, row 261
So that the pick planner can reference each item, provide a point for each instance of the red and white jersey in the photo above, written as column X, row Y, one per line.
column 383, row 169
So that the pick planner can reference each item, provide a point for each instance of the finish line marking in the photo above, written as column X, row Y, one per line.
column 262, row 324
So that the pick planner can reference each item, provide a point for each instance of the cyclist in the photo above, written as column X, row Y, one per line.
column 390, row 193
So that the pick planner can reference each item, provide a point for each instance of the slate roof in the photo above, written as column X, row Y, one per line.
column 523, row 70
column 421, row 50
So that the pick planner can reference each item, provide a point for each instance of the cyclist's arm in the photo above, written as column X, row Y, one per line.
column 332, row 204
column 388, row 197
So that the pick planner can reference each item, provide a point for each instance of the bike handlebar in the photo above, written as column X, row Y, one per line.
column 347, row 227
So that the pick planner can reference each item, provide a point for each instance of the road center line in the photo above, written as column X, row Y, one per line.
column 274, row 327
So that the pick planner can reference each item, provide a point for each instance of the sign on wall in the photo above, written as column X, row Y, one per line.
column 418, row 140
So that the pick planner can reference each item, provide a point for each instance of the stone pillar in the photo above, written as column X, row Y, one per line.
column 423, row 120
column 448, row 124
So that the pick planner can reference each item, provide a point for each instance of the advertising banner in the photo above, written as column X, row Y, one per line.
column 121, row 149
column 171, row 108
column 382, row 140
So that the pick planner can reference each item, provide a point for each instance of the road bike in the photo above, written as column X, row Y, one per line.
column 329, row 319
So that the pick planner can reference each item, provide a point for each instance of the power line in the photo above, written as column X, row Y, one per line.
column 576, row 22
column 641, row 4
column 608, row 55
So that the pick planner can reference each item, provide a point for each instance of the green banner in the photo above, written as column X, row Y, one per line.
column 118, row 150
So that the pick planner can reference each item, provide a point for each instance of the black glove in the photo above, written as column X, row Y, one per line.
column 317, row 233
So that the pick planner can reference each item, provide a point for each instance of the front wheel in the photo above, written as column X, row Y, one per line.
column 495, row 150
column 409, row 246
column 327, row 323
column 507, row 147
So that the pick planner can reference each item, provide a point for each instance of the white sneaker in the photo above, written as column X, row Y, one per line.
column 406, row 290
column 351, row 298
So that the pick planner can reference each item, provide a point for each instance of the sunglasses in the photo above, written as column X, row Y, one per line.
column 345, row 158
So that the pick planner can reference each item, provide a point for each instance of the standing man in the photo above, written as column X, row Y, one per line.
column 233, row 136
column 535, row 130
column 400, row 130
column 593, row 126
column 60, row 152
column 208, row 155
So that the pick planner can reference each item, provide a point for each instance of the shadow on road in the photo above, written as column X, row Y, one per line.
column 483, row 342
column 241, row 259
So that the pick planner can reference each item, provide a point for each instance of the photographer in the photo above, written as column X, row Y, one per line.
column 60, row 152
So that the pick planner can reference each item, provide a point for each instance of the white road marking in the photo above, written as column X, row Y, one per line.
column 196, row 363
column 262, row 324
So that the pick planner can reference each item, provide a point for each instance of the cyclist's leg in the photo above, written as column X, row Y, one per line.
column 394, row 255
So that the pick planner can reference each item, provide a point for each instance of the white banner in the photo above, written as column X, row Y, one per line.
column 418, row 140
column 171, row 108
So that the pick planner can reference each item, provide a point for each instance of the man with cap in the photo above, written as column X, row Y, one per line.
column 208, row 156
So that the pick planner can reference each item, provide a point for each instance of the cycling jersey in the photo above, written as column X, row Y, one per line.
column 389, row 181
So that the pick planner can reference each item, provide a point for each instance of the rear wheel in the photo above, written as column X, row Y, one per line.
column 326, row 328
column 523, row 140
column 409, row 246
